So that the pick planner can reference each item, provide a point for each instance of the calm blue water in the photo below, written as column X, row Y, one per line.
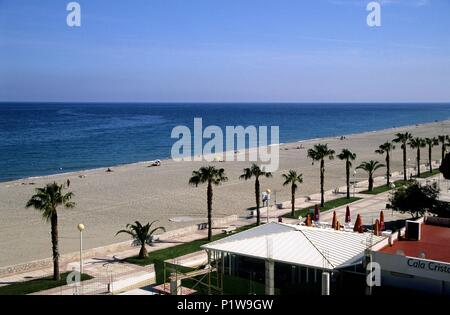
column 41, row 139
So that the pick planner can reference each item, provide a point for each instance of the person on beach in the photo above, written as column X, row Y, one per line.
column 68, row 183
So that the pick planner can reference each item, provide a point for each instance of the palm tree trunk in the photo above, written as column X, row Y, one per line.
column 209, row 197
column 143, row 252
column 418, row 162
column 443, row 151
column 404, row 163
column 388, row 169
column 258, row 214
column 322, row 179
column 429, row 158
column 55, row 250
column 292, row 200
column 347, row 173
column 370, row 182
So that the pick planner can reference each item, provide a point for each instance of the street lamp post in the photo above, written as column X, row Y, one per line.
column 354, row 183
column 268, row 191
column 81, row 229
column 266, row 198
column 408, row 170
column 442, row 175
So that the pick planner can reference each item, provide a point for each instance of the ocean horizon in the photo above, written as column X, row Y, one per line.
column 39, row 139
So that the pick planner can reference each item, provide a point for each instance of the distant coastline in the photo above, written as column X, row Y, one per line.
column 165, row 159
column 44, row 139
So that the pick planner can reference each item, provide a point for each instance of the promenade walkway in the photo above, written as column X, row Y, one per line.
column 112, row 274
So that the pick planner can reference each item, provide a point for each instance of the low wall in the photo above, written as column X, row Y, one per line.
column 64, row 259
column 413, row 266
column 216, row 223
column 437, row 221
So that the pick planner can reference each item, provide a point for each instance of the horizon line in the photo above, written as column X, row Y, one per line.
column 230, row 102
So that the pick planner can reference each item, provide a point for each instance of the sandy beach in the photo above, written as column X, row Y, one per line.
column 108, row 201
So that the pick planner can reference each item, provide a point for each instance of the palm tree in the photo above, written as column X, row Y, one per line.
column 257, row 172
column 293, row 179
column 443, row 140
column 142, row 235
column 387, row 147
column 212, row 176
column 417, row 143
column 403, row 138
column 319, row 153
column 47, row 200
column 370, row 167
column 431, row 142
column 347, row 156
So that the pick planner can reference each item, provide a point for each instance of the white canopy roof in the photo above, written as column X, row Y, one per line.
column 298, row 245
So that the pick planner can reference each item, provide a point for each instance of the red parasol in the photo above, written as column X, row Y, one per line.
column 347, row 215
column 382, row 227
column 308, row 220
column 338, row 226
column 333, row 224
column 316, row 213
column 376, row 228
column 358, row 225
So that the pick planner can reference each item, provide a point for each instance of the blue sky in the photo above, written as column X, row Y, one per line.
column 225, row 51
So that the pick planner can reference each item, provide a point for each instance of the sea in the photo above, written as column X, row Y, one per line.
column 39, row 139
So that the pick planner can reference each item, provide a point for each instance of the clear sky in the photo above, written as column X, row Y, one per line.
column 225, row 51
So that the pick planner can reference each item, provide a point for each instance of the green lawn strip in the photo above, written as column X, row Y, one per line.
column 399, row 183
column 384, row 188
column 428, row 174
column 178, row 250
column 327, row 206
column 36, row 285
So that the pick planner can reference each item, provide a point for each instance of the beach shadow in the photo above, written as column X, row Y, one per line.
column 390, row 225
column 395, row 225
column 172, row 242
column 107, row 261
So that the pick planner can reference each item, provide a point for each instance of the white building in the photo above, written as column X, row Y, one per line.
column 295, row 254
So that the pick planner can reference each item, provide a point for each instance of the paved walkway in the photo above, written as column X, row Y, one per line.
column 368, row 208
column 374, row 201
column 109, row 269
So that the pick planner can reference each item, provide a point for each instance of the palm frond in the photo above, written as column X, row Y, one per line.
column 370, row 166
column 292, row 178
column 140, row 233
column 47, row 199
column 208, row 174
column 320, row 152
column 125, row 231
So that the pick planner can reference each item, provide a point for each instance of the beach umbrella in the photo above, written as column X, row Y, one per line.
column 382, row 221
column 358, row 224
column 308, row 220
column 376, row 228
column 347, row 215
column 338, row 226
column 333, row 224
column 316, row 213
